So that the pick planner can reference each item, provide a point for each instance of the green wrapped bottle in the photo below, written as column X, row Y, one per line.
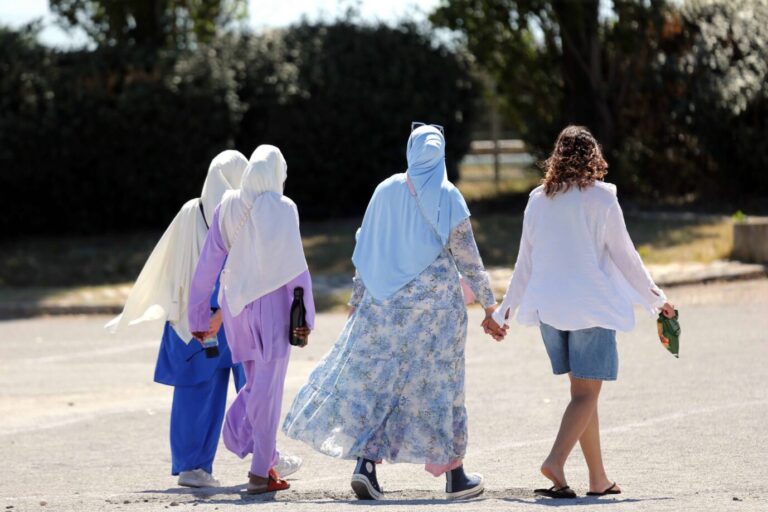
column 669, row 333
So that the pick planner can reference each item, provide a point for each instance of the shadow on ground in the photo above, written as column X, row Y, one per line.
column 236, row 495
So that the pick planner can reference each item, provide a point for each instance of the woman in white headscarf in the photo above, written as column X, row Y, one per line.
column 392, row 387
column 161, row 292
column 255, row 238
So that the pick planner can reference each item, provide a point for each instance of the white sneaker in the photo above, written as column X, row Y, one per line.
column 288, row 465
column 197, row 478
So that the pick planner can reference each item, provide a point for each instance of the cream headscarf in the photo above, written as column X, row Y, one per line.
column 260, row 226
column 162, row 289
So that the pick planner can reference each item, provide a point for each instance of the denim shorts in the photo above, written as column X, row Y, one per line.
column 585, row 353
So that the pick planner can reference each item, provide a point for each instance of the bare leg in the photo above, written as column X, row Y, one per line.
column 584, row 395
column 590, row 447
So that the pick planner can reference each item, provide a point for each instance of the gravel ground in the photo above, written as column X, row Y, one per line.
column 83, row 427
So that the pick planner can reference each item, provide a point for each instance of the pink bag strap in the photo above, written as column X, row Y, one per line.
column 411, row 189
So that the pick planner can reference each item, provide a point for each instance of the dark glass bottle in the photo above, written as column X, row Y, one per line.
column 298, row 314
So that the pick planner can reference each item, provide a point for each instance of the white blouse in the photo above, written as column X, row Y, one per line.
column 577, row 267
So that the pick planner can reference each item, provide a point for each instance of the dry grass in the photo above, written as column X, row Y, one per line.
column 477, row 182
column 661, row 241
column 58, row 261
column 92, row 261
column 64, row 261
column 658, row 240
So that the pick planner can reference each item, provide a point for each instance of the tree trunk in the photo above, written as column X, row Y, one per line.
column 585, row 95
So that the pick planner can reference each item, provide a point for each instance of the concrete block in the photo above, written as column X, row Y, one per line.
column 750, row 240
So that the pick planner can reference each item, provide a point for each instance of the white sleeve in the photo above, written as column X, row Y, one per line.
column 520, row 277
column 622, row 252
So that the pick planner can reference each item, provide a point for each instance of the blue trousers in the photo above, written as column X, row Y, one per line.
column 197, row 415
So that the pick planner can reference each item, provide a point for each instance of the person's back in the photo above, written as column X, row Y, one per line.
column 160, row 292
column 392, row 386
column 571, row 284
column 254, row 243
column 577, row 276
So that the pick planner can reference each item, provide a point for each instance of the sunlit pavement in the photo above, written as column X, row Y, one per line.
column 83, row 427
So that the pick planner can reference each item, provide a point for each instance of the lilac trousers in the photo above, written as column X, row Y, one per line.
column 252, row 420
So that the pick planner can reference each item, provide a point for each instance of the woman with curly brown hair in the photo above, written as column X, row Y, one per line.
column 577, row 277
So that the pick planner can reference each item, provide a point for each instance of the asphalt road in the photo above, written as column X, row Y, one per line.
column 83, row 427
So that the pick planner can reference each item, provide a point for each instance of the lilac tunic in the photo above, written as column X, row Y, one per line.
column 258, row 338
column 260, row 331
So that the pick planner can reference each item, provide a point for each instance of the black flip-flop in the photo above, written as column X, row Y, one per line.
column 561, row 493
column 611, row 490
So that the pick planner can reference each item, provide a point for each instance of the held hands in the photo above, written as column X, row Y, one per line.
column 490, row 326
column 213, row 328
column 668, row 310
column 303, row 334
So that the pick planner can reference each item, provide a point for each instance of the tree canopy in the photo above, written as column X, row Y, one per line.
column 557, row 62
column 110, row 144
column 152, row 24
column 675, row 92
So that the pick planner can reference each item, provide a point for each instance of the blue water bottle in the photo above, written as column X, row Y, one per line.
column 211, row 346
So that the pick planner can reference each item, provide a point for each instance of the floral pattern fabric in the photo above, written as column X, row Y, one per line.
column 392, row 386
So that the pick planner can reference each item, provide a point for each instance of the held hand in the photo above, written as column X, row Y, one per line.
column 668, row 310
column 200, row 335
column 496, row 331
column 351, row 311
column 303, row 334
column 215, row 323
column 490, row 326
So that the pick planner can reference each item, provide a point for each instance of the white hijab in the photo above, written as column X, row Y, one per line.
column 162, row 289
column 260, row 226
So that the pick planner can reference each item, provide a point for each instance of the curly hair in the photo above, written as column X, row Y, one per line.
column 576, row 160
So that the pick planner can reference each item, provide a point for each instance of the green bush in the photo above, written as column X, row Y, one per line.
column 727, row 70
column 115, row 138
column 343, row 99
column 697, row 126
column 107, row 140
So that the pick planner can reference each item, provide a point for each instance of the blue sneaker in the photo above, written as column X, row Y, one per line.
column 364, row 481
column 459, row 485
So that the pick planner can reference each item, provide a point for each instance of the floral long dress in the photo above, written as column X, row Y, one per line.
column 392, row 386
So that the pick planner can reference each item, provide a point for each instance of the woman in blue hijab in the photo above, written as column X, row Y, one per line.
column 392, row 386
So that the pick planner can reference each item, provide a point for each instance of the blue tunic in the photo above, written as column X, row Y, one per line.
column 184, row 364
column 199, row 397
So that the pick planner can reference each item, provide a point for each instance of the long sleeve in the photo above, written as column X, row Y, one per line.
column 520, row 277
column 622, row 252
column 358, row 289
column 304, row 280
column 208, row 267
column 464, row 250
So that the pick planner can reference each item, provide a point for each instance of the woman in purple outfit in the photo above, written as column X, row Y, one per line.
column 255, row 237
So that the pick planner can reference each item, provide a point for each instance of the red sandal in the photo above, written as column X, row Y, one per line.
column 274, row 483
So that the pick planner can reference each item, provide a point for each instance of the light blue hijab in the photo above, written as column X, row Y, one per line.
column 396, row 241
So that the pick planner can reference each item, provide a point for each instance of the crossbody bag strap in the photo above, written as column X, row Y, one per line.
column 412, row 190
column 469, row 296
column 202, row 212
